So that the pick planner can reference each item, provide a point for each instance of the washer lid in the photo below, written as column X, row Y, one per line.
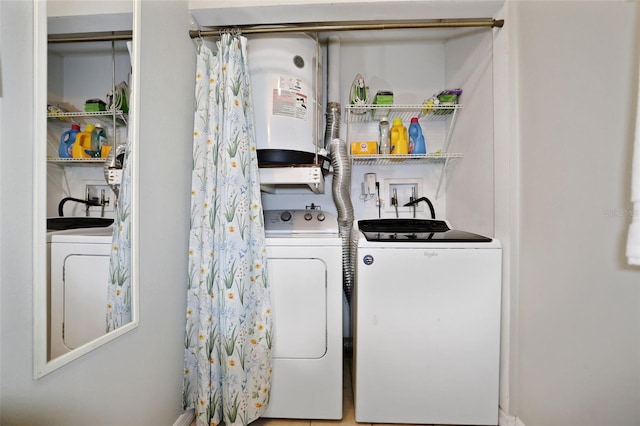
column 415, row 230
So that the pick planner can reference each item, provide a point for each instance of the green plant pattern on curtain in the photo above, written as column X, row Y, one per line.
column 227, row 356
column 119, row 285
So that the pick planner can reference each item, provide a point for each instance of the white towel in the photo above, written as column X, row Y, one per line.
column 633, row 239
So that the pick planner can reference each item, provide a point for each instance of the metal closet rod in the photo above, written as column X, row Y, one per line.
column 350, row 26
column 88, row 37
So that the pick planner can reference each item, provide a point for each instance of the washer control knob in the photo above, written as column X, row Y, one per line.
column 308, row 216
column 321, row 217
column 285, row 216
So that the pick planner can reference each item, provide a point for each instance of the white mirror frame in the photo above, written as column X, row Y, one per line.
column 41, row 365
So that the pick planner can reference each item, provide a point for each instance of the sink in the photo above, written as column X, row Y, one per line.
column 61, row 223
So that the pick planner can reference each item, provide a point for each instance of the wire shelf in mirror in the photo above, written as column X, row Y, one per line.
column 384, row 159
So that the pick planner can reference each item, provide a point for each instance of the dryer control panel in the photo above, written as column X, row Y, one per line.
column 299, row 222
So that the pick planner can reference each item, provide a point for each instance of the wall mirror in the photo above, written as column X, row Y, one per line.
column 85, row 169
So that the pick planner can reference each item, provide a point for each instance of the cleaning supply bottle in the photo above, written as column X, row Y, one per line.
column 399, row 141
column 384, row 145
column 417, row 144
column 98, row 140
column 67, row 140
column 83, row 143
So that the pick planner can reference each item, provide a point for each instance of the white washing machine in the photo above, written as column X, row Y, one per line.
column 426, row 322
column 305, row 273
column 79, row 272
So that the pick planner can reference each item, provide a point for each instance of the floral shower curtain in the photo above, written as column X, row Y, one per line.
column 227, row 356
column 119, row 285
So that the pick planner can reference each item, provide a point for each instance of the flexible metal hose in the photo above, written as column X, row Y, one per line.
column 341, row 187
column 332, row 129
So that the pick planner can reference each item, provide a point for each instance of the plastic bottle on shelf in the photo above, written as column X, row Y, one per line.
column 399, row 140
column 98, row 140
column 417, row 143
column 384, row 145
column 83, row 143
column 67, row 139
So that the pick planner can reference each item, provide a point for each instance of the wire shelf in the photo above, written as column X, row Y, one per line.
column 393, row 159
column 369, row 113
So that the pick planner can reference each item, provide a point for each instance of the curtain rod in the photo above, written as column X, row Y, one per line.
column 88, row 37
column 350, row 26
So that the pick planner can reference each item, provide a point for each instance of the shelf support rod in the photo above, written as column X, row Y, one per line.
column 350, row 26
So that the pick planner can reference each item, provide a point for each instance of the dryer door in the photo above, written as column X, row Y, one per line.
column 299, row 299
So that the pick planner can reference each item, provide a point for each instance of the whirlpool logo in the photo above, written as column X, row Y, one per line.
column 367, row 259
column 430, row 253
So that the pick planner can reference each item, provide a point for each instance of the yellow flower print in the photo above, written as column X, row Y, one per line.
column 258, row 405
column 231, row 228
column 212, row 80
column 256, row 206
column 115, row 248
column 198, row 76
column 209, row 141
column 202, row 402
column 186, row 371
column 190, row 252
column 118, row 292
column 189, row 312
column 258, row 266
column 109, row 306
column 201, row 336
column 232, row 363
column 265, row 390
column 234, row 164
column 206, row 205
column 268, row 311
column 254, row 342
column 224, row 68
column 236, row 102
column 196, row 133
column 260, row 327
column 203, row 271
column 252, row 279
column 230, row 295
column 193, row 192
column 212, row 360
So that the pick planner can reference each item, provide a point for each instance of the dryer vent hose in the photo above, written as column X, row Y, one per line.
column 332, row 130
column 342, row 197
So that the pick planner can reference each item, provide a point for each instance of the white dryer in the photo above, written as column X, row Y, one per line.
column 305, row 273
column 426, row 321
column 79, row 272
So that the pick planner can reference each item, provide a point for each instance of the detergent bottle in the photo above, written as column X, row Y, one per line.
column 399, row 141
column 417, row 144
column 67, row 140
column 98, row 140
column 83, row 143
column 384, row 143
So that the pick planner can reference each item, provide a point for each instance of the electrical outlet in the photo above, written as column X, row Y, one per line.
column 369, row 184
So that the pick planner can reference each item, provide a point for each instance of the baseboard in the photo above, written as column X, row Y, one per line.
column 185, row 418
column 505, row 419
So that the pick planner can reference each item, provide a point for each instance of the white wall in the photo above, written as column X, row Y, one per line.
column 136, row 379
column 578, row 328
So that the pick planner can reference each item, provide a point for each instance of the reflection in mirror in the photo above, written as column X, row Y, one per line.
column 88, row 294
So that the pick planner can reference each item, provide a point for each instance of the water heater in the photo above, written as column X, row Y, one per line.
column 286, row 75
